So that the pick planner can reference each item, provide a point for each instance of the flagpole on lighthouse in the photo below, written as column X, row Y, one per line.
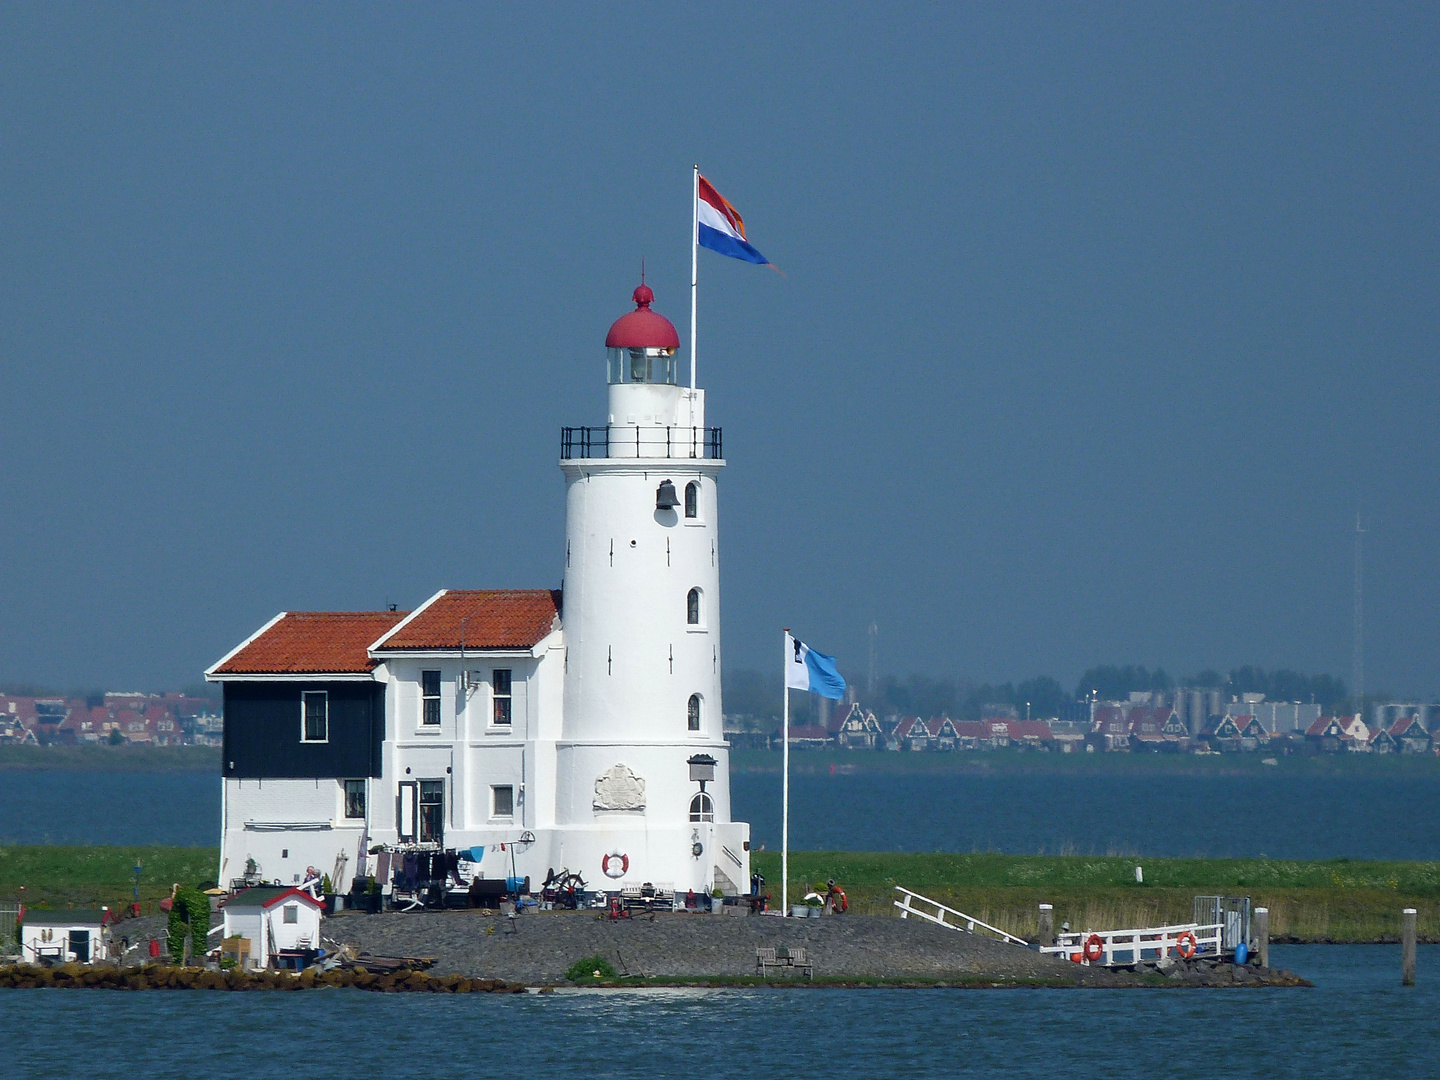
column 694, row 262
column 785, row 787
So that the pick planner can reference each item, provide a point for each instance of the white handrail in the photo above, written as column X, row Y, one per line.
column 1158, row 940
column 906, row 910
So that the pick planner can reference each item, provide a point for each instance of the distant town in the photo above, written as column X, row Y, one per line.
column 111, row 719
column 1174, row 719
column 1146, row 721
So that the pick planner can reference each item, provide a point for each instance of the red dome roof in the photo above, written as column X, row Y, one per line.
column 642, row 328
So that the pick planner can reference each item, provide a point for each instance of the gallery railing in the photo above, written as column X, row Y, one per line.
column 633, row 441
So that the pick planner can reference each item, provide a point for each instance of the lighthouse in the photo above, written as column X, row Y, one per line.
column 502, row 734
column 642, row 764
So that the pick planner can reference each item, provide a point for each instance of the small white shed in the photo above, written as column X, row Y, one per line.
column 61, row 936
column 274, row 920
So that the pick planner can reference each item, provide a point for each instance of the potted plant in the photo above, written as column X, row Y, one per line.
column 327, row 891
column 717, row 902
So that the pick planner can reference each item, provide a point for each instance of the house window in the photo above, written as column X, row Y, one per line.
column 315, row 710
column 692, row 607
column 692, row 500
column 354, row 798
column 502, row 801
column 702, row 808
column 292, row 914
column 432, row 811
column 692, row 713
column 500, row 688
column 430, row 698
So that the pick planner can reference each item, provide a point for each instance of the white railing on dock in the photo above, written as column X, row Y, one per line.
column 959, row 920
column 1145, row 946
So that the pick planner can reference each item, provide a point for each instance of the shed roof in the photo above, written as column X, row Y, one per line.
column 264, row 896
column 487, row 618
column 312, row 643
column 80, row 917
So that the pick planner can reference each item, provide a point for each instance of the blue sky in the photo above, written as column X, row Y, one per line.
column 1098, row 325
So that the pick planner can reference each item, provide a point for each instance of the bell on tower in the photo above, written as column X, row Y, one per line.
column 642, row 345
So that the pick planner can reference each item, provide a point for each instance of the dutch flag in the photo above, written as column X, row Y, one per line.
column 806, row 669
column 720, row 226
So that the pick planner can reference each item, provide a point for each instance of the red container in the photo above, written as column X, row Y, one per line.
column 154, row 947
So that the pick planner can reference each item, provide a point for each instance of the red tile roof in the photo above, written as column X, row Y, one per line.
column 492, row 618
column 312, row 643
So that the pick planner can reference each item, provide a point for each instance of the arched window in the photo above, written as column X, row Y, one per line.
column 702, row 808
column 692, row 608
column 692, row 500
column 692, row 712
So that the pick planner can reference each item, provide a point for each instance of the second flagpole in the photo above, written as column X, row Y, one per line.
column 785, row 787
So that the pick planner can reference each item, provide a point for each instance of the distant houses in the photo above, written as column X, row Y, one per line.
column 1137, row 726
column 114, row 719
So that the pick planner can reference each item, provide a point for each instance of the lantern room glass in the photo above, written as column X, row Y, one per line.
column 642, row 366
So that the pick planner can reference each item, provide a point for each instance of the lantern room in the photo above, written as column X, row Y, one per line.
column 641, row 345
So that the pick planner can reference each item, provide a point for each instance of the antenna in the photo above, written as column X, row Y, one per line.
column 1357, row 658
column 642, row 269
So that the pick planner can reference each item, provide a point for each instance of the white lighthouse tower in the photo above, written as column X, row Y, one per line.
column 642, row 767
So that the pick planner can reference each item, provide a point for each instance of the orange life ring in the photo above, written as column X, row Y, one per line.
column 841, row 901
column 1095, row 942
column 1186, row 945
column 615, row 857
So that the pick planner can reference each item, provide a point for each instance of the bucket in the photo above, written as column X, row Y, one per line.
column 799, row 911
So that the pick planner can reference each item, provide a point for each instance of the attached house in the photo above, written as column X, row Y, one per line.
column 942, row 732
column 1382, row 742
column 1035, row 734
column 1410, row 735
column 1252, row 733
column 1111, row 728
column 912, row 733
column 1223, row 734
column 859, row 730
column 1332, row 734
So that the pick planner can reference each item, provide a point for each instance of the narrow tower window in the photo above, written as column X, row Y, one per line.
column 692, row 607
column 693, row 713
column 692, row 500
column 702, row 808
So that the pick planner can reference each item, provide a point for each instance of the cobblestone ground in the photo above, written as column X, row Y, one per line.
column 539, row 946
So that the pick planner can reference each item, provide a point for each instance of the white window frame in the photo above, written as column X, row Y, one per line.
column 290, row 915
column 345, row 799
column 698, row 626
column 698, row 804
column 438, row 697
column 495, row 814
column 492, row 724
column 697, row 518
column 325, row 697
column 699, row 701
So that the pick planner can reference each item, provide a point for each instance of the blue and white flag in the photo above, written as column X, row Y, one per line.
column 806, row 669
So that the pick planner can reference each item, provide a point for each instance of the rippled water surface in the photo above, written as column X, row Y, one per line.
column 1358, row 1021
column 1284, row 815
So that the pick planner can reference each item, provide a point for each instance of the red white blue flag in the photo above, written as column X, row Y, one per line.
column 721, row 228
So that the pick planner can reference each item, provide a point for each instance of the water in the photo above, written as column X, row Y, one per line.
column 1357, row 1021
column 120, row 808
column 1282, row 815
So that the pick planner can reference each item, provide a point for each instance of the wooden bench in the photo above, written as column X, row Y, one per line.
column 781, row 958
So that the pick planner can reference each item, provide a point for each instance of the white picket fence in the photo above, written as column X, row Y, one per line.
column 1125, row 947
column 957, row 920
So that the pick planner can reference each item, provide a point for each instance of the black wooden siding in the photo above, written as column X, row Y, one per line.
column 262, row 731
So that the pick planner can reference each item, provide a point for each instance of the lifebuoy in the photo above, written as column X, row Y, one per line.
column 842, row 902
column 615, row 865
column 1186, row 945
column 1097, row 944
